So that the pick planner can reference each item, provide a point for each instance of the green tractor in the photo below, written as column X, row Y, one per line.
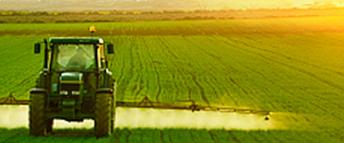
column 74, row 84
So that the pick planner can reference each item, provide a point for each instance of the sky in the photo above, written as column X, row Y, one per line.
column 157, row 5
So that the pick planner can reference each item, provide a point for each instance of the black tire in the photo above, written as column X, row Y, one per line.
column 103, row 114
column 37, row 120
column 49, row 127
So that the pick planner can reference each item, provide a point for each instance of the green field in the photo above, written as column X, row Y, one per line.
column 289, row 65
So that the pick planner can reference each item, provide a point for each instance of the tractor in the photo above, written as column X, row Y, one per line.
column 74, row 84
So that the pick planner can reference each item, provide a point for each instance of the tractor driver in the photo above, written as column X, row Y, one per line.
column 80, row 59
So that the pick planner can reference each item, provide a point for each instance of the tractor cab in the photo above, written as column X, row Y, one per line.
column 75, row 54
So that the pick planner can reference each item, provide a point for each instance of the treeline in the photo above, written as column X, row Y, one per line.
column 101, row 12
column 114, row 15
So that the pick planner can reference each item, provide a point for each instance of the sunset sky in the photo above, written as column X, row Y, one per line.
column 163, row 4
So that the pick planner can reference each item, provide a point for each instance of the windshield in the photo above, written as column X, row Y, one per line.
column 74, row 57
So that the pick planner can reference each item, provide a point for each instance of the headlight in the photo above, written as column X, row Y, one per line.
column 75, row 92
column 64, row 92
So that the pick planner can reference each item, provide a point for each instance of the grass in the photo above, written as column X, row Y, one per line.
column 289, row 65
column 169, row 136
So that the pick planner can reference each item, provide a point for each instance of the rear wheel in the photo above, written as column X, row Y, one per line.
column 37, row 120
column 103, row 114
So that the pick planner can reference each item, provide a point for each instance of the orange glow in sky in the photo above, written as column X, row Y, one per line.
column 248, row 4
column 165, row 4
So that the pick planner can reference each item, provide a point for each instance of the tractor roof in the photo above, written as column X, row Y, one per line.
column 76, row 40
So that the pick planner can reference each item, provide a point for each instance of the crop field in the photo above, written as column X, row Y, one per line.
column 293, row 67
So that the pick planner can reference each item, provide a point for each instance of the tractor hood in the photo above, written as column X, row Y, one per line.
column 71, row 83
column 71, row 78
